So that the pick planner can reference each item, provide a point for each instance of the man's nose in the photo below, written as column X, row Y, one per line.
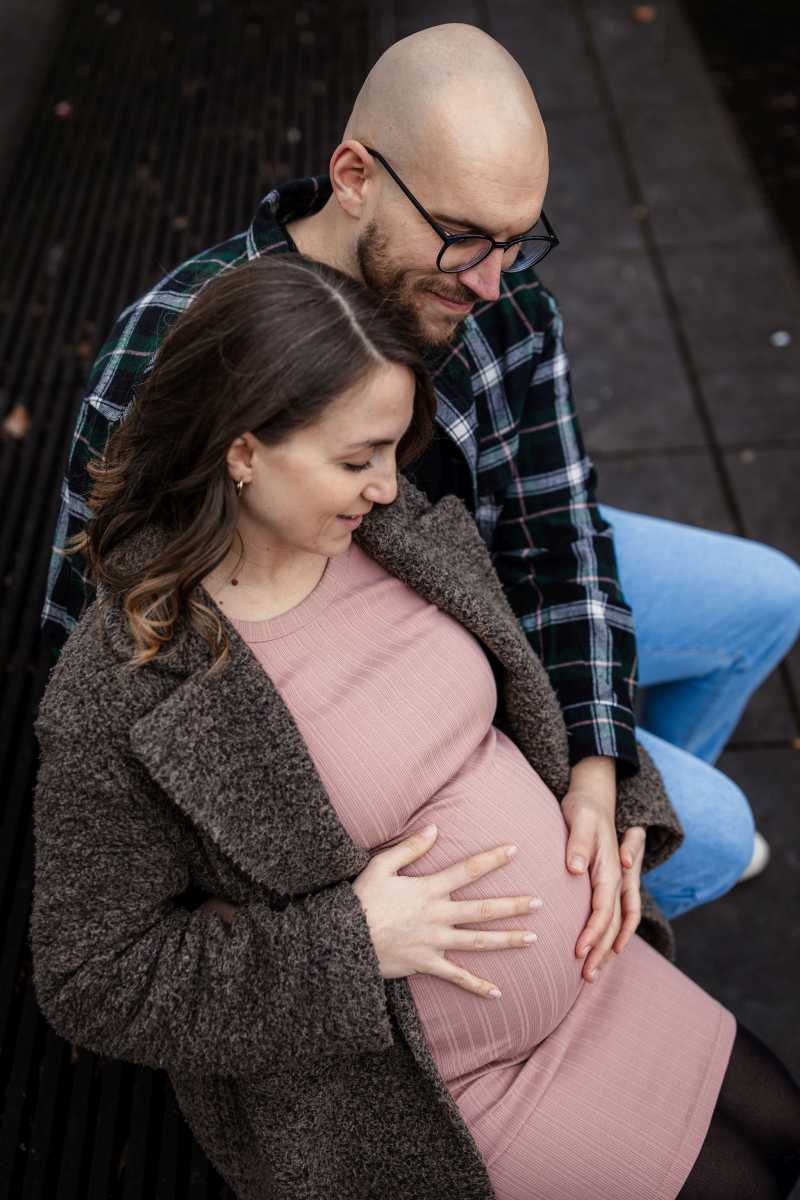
column 484, row 278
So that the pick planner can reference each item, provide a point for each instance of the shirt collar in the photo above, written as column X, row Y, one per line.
column 292, row 200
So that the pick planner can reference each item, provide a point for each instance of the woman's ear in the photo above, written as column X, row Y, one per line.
column 240, row 456
column 352, row 173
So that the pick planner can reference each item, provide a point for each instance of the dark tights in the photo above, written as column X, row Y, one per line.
column 752, row 1148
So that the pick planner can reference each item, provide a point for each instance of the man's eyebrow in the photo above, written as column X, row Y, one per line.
column 445, row 220
column 450, row 221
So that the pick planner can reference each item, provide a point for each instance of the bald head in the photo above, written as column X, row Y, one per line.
column 450, row 113
column 449, row 94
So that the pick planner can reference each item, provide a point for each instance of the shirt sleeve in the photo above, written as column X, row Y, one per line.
column 122, row 361
column 555, row 555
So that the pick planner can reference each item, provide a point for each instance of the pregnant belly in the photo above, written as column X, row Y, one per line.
column 499, row 798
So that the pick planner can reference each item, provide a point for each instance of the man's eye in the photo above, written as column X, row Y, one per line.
column 357, row 466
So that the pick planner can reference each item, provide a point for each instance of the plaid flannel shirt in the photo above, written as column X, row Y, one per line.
column 504, row 400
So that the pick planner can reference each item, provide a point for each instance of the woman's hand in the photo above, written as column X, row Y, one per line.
column 614, row 867
column 411, row 918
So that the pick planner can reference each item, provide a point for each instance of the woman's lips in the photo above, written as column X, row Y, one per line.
column 351, row 522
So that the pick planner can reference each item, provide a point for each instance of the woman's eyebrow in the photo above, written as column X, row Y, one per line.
column 370, row 444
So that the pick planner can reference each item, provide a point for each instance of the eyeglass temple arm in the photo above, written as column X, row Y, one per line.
column 446, row 237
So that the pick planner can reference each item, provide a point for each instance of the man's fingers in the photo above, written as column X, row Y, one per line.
column 603, row 899
column 631, row 847
column 582, row 842
column 631, row 902
column 629, row 927
column 602, row 951
column 579, row 853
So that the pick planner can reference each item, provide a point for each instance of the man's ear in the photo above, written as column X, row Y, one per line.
column 352, row 173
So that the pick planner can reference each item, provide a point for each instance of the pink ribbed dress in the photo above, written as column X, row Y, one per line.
column 572, row 1090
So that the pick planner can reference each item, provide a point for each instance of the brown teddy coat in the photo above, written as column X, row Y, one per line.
column 303, row 1073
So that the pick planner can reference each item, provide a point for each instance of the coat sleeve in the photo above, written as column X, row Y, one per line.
column 122, row 969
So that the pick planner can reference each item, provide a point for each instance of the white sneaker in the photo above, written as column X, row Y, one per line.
column 761, row 855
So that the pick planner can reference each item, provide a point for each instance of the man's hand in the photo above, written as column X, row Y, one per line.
column 614, row 868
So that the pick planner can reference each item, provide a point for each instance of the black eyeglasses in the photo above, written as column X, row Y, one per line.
column 461, row 251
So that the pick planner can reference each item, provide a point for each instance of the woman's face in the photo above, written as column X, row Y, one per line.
column 299, row 494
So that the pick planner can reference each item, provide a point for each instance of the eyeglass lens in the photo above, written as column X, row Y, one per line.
column 467, row 252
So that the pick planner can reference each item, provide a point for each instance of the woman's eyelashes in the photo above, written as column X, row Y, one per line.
column 357, row 466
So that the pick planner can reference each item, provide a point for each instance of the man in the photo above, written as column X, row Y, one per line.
column 440, row 177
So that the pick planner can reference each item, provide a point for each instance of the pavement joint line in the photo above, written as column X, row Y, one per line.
column 744, row 747
column 636, row 452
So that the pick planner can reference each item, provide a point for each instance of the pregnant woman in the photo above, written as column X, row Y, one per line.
column 294, row 665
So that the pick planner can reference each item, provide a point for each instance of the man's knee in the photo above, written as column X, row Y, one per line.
column 718, row 826
column 781, row 589
column 727, row 842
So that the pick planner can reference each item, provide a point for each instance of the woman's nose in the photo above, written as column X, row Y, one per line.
column 384, row 490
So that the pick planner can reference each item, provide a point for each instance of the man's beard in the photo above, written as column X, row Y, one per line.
column 392, row 283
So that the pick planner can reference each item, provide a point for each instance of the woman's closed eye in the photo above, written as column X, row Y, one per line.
column 357, row 466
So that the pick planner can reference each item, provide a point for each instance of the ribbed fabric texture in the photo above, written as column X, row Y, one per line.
column 571, row 1090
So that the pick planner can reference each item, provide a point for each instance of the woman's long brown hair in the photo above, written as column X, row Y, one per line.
column 262, row 347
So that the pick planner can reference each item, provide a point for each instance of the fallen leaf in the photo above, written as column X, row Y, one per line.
column 17, row 422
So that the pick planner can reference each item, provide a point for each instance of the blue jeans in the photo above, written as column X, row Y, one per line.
column 714, row 614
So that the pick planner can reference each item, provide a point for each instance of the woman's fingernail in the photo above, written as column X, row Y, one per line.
column 577, row 862
column 593, row 972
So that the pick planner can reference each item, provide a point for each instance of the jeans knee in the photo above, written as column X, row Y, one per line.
column 780, row 577
column 733, row 840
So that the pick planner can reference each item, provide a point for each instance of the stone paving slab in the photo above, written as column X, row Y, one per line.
column 588, row 189
column 768, row 717
column 679, row 487
column 753, row 405
column 630, row 386
column 765, row 479
column 647, row 64
column 733, row 301
column 697, row 188
column 549, row 43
